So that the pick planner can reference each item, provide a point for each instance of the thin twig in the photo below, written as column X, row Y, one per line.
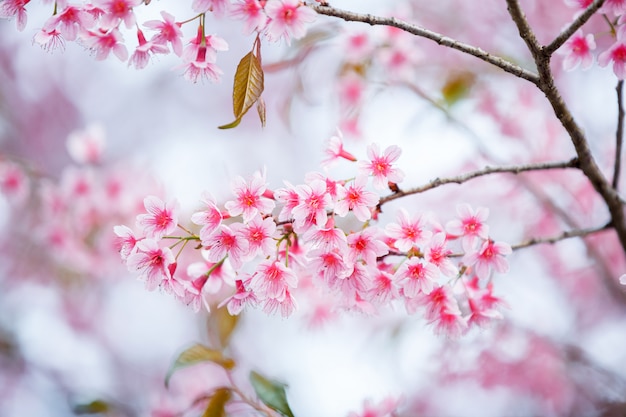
column 425, row 33
column 573, row 27
column 562, row 236
column 619, row 134
column 525, row 31
column 572, row 163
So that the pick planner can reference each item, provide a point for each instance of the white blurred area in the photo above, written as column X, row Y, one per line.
column 162, row 122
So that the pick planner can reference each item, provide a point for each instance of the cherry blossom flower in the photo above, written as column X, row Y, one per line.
column 161, row 219
column 616, row 7
column 210, row 218
column 314, row 201
column 385, row 408
column 577, row 51
column 116, row 11
column 289, row 197
column 334, row 150
column 442, row 311
column 272, row 279
column 489, row 255
column 227, row 241
column 416, row 276
column 219, row 7
column 357, row 283
column 249, row 200
column 242, row 297
column 13, row 182
column 483, row 304
column 470, row 224
column 153, row 262
column 354, row 197
column 251, row 11
column 287, row 20
column 103, row 42
column 260, row 234
column 287, row 305
column 408, row 232
column 380, row 165
column 383, row 287
column 327, row 238
column 126, row 242
column 437, row 254
column 10, row 8
column 616, row 54
column 86, row 146
column 70, row 22
column 199, row 68
column 332, row 186
column 329, row 265
column 168, row 31
column 49, row 40
column 366, row 245
column 141, row 56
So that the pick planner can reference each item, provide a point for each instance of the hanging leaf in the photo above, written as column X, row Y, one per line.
column 94, row 407
column 198, row 354
column 247, row 87
column 216, row 405
column 272, row 393
column 220, row 326
column 457, row 86
column 260, row 108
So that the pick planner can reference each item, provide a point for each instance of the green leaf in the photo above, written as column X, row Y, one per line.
column 198, row 354
column 457, row 87
column 216, row 405
column 272, row 393
column 94, row 407
column 247, row 87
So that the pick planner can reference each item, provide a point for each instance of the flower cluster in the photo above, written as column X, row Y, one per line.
column 98, row 25
column 270, row 248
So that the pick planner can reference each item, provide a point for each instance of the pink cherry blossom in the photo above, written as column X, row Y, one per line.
column 327, row 238
column 287, row 19
column 87, row 146
column 354, row 197
column 116, row 11
column 334, row 150
column 161, row 218
column 577, row 51
column 216, row 6
column 616, row 7
column 251, row 11
column 442, row 311
column 385, row 408
column 416, row 276
column 103, row 42
column 227, row 241
column 126, row 242
column 383, row 287
column 210, row 218
column 380, row 166
column 272, row 279
column 438, row 255
column 470, row 224
column 332, row 186
column 484, row 306
column 249, row 200
column 13, row 182
column 409, row 232
column 366, row 245
column 168, row 31
column 314, row 201
column 489, row 255
column 357, row 283
column 10, row 8
column 261, row 236
column 49, row 40
column 287, row 305
column 289, row 197
column 140, row 58
column 152, row 262
column 242, row 297
column 329, row 265
column 617, row 55
column 70, row 22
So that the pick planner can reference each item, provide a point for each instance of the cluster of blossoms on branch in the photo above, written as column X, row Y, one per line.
column 98, row 26
column 322, row 239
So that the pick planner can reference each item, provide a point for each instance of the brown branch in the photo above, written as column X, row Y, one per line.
column 619, row 134
column 425, row 33
column 573, row 27
column 562, row 236
column 572, row 163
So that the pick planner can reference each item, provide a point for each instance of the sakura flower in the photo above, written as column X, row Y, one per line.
column 385, row 408
column 314, row 200
column 329, row 265
column 103, row 42
column 141, row 56
column 577, row 51
column 616, row 54
column 227, row 241
column 334, row 150
column 168, row 31
column 288, row 19
column 380, row 165
column 616, row 7
column 354, row 197
column 252, row 12
column 87, row 146
column 470, row 224
column 207, row 275
column 409, row 232
column 216, row 6
column 116, row 11
column 366, row 245
column 210, row 218
column 332, row 186
column 153, row 262
column 383, row 287
column 289, row 197
column 161, row 219
column 10, row 8
column 286, row 306
column 489, row 255
column 13, row 182
column 200, row 68
column 249, row 200
column 442, row 311
column 126, row 241
column 416, row 276
column 260, row 234
column 357, row 283
column 242, row 297
column 272, row 279
column 482, row 303
column 327, row 238
column 49, row 40
column 437, row 254
column 70, row 22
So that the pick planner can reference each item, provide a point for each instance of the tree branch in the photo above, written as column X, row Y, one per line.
column 525, row 31
column 562, row 236
column 573, row 27
column 572, row 163
column 425, row 33
column 619, row 134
